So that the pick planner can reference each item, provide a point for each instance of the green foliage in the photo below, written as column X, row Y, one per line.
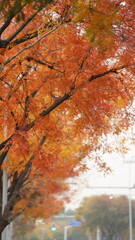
column 110, row 215
column 22, row 228
column 25, row 229
column 99, row 21
column 81, row 10
column 34, row 237
column 77, row 233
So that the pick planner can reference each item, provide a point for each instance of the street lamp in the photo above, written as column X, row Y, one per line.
column 65, row 231
column 130, row 202
column 130, row 207
column 43, row 228
column 72, row 223
column 53, row 228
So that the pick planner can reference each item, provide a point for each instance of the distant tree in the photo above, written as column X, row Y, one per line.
column 109, row 215
column 22, row 227
column 69, row 212
column 34, row 237
column 77, row 233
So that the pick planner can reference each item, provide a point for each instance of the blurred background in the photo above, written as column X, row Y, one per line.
column 101, row 207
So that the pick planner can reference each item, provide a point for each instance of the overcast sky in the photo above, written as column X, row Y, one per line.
column 93, row 182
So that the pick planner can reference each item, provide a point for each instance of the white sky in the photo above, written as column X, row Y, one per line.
column 119, row 177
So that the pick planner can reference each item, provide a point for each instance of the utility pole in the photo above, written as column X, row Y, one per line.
column 66, row 231
column 6, row 235
column 129, row 188
column 4, row 201
column 130, row 206
column 98, row 237
column 130, row 201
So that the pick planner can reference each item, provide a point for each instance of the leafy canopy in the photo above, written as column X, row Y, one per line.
column 66, row 78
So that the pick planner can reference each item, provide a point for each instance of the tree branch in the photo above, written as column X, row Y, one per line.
column 31, row 45
column 3, row 155
column 49, row 65
column 113, row 70
column 21, row 27
column 59, row 101
column 13, row 12
column 19, row 183
column 29, row 36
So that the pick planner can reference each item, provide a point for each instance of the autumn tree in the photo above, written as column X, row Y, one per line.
column 66, row 78
column 110, row 215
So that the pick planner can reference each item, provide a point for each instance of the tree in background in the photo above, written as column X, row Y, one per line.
column 43, row 228
column 66, row 78
column 22, row 227
column 77, row 233
column 109, row 215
